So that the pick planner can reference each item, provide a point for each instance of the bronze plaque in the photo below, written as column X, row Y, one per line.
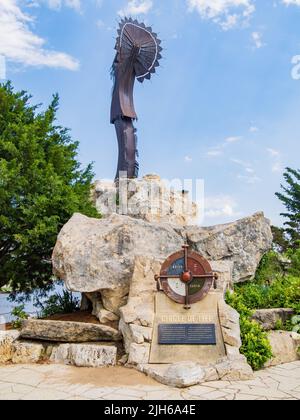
column 186, row 334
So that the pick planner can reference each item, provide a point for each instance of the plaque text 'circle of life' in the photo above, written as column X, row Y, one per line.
column 186, row 277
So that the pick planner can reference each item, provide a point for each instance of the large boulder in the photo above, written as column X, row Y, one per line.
column 243, row 242
column 99, row 255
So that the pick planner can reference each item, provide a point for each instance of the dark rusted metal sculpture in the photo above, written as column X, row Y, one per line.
column 138, row 55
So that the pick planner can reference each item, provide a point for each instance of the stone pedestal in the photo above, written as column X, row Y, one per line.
column 204, row 312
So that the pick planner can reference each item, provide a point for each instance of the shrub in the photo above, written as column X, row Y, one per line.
column 295, row 321
column 59, row 304
column 20, row 315
column 283, row 292
column 270, row 268
column 255, row 345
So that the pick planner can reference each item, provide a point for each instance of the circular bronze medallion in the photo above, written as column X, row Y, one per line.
column 186, row 272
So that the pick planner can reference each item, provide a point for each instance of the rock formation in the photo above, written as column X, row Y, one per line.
column 98, row 256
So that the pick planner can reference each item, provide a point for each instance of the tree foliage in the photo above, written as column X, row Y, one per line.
column 291, row 200
column 41, row 186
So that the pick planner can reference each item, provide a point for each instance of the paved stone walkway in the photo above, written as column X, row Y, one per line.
column 55, row 382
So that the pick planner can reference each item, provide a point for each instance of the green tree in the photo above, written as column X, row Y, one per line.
column 281, row 242
column 291, row 200
column 41, row 186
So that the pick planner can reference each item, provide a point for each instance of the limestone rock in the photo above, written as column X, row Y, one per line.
column 180, row 375
column 234, row 369
column 98, row 309
column 98, row 254
column 7, row 339
column 140, row 306
column 243, row 242
column 141, row 334
column 224, row 271
column 27, row 352
column 133, row 333
column 85, row 355
column 139, row 354
column 106, row 317
column 149, row 199
column 268, row 318
column 211, row 374
column 284, row 347
column 66, row 331
column 229, row 320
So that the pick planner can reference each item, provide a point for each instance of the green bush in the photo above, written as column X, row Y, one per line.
column 283, row 292
column 59, row 304
column 295, row 321
column 255, row 345
column 20, row 315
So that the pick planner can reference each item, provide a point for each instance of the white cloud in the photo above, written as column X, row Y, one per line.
column 233, row 139
column 18, row 42
column 273, row 152
column 249, row 179
column 221, row 206
column 291, row 2
column 276, row 165
column 136, row 7
column 249, row 176
column 253, row 129
column 226, row 13
column 2, row 68
column 188, row 159
column 257, row 40
column 219, row 150
column 57, row 4
column 215, row 152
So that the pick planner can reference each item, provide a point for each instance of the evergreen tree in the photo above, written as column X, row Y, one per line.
column 291, row 199
column 41, row 186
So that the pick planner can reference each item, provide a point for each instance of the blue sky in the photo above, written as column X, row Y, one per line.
column 224, row 106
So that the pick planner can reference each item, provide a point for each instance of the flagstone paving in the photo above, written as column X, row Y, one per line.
column 55, row 382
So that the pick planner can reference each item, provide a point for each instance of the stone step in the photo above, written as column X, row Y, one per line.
column 67, row 331
column 85, row 355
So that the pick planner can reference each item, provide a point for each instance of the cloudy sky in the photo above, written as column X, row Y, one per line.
column 224, row 106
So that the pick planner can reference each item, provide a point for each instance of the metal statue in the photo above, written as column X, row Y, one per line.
column 138, row 55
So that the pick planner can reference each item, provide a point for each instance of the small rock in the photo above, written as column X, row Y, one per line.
column 229, row 320
column 284, row 345
column 27, row 352
column 232, row 352
column 7, row 339
column 123, row 360
column 211, row 374
column 106, row 317
column 268, row 318
column 141, row 334
column 232, row 337
column 236, row 369
column 85, row 355
column 139, row 354
column 180, row 375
